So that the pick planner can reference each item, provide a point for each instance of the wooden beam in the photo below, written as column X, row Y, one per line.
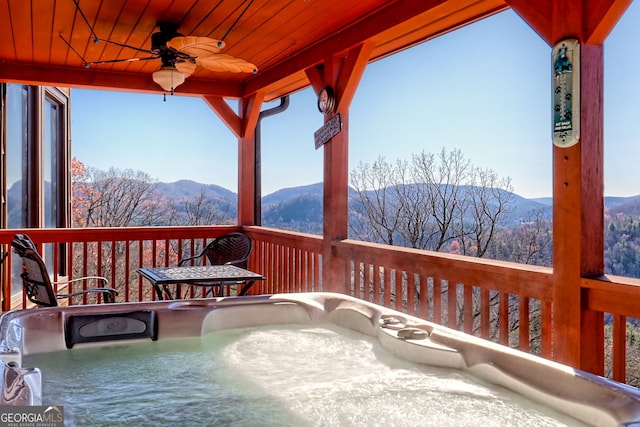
column 243, row 124
column 352, row 71
column 601, row 16
column 108, row 80
column 250, row 113
column 590, row 20
column 226, row 114
column 536, row 13
column 315, row 75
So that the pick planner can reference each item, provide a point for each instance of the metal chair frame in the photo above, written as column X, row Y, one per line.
column 37, row 284
column 229, row 249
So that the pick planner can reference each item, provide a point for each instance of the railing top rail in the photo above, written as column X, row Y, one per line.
column 58, row 235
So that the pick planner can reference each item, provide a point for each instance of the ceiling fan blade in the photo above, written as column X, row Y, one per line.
column 186, row 67
column 222, row 63
column 111, row 61
column 196, row 46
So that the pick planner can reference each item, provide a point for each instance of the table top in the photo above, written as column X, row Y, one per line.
column 205, row 273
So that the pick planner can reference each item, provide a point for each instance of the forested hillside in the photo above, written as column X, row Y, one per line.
column 521, row 228
column 622, row 238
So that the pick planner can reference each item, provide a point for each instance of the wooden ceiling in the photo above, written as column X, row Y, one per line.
column 46, row 42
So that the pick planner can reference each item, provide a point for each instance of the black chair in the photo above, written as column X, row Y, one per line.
column 229, row 249
column 36, row 281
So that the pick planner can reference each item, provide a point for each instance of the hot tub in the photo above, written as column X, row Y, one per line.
column 230, row 334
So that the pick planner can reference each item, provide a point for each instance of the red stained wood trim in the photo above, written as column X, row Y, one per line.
column 368, row 281
column 387, row 287
column 612, row 294
column 536, row 13
column 485, row 313
column 578, row 220
column 452, row 304
column 592, row 339
column 316, row 77
column 601, row 17
column 619, row 348
column 424, row 298
column 503, row 308
column 546, row 341
column 108, row 80
column 245, row 126
column 437, row 300
column 519, row 279
column 468, row 309
column 523, row 329
column 250, row 113
column 394, row 14
column 397, row 285
column 352, row 70
column 226, row 114
column 589, row 20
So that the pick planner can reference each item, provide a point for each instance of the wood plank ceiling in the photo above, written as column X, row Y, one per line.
column 48, row 41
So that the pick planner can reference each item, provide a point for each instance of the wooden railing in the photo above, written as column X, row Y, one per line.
column 114, row 253
column 504, row 302
column 291, row 262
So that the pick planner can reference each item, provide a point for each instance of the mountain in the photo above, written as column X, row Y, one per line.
column 627, row 205
column 286, row 194
column 186, row 189
column 301, row 207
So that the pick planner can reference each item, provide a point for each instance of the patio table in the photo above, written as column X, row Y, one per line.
column 163, row 278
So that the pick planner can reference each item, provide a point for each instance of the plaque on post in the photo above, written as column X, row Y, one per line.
column 331, row 128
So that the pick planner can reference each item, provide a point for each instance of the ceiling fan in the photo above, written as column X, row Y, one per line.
column 181, row 55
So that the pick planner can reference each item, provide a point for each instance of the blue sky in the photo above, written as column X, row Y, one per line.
column 484, row 89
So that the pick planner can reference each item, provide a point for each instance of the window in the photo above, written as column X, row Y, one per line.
column 36, row 151
column 17, row 137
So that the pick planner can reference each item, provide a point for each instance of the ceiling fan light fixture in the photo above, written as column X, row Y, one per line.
column 168, row 77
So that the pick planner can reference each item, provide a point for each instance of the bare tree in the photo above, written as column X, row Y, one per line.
column 429, row 203
column 118, row 198
column 378, row 216
column 443, row 177
column 489, row 198
column 529, row 242
column 202, row 210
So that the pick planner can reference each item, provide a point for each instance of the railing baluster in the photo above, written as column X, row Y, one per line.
column 468, row 308
column 485, row 313
column 452, row 303
column 437, row 300
column 523, row 327
column 504, row 318
column 619, row 348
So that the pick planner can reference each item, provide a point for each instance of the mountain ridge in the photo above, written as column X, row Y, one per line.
column 283, row 204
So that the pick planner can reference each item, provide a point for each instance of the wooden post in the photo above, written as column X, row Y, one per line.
column 578, row 179
column 343, row 74
column 243, row 125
